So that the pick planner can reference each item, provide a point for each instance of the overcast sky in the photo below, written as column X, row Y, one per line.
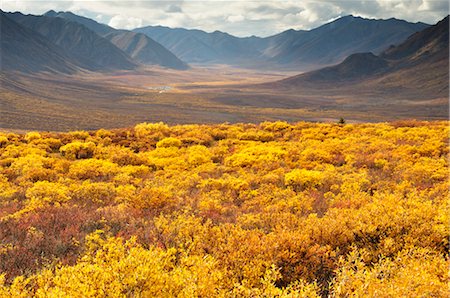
column 241, row 18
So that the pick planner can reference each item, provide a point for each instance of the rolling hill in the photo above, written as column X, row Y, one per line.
column 18, row 43
column 138, row 46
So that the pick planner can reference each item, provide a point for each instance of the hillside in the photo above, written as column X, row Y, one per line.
column 100, row 29
column 269, row 210
column 18, row 44
column 138, row 46
column 90, row 50
column 417, row 68
column 430, row 43
column 144, row 49
column 333, row 42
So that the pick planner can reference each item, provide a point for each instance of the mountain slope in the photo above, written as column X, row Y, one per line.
column 138, row 46
column 419, row 66
column 100, row 29
column 334, row 41
column 200, row 46
column 90, row 50
column 21, row 49
column 424, row 44
column 144, row 49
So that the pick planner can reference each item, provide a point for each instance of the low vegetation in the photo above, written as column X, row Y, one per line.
column 268, row 210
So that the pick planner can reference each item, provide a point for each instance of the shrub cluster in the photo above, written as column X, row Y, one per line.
column 244, row 210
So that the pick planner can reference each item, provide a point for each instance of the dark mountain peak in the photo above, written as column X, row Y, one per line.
column 444, row 20
column 50, row 13
column 93, row 25
column 359, row 57
column 344, row 20
column 365, row 62
column 350, row 17
column 289, row 31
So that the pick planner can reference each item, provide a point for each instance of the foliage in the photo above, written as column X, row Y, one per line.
column 242, row 210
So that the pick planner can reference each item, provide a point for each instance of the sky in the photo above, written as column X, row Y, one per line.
column 240, row 18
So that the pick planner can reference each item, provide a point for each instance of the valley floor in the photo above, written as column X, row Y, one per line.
column 200, row 95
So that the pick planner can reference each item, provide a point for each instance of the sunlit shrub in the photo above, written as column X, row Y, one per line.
column 147, row 129
column 33, row 135
column 96, row 192
column 94, row 169
column 78, row 150
column 230, row 210
column 48, row 192
column 302, row 178
column 169, row 142
column 412, row 273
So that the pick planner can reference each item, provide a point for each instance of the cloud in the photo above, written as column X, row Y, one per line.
column 173, row 8
column 235, row 18
column 124, row 22
column 238, row 17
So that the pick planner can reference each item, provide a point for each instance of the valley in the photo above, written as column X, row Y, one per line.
column 66, row 72
column 201, row 95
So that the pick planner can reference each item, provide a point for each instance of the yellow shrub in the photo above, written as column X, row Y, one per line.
column 94, row 169
column 146, row 129
column 412, row 273
column 169, row 142
column 197, row 155
column 48, row 192
column 302, row 178
column 78, row 150
column 33, row 135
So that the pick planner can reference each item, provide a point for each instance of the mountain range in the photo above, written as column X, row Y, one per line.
column 325, row 45
column 85, row 44
column 139, row 47
column 79, row 45
column 418, row 65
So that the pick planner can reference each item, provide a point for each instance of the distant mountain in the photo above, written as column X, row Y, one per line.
column 22, row 49
column 420, row 65
column 332, row 42
column 90, row 50
column 138, row 46
column 144, row 49
column 198, row 46
column 325, row 45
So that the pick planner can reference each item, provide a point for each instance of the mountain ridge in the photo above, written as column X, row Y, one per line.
column 145, row 50
column 91, row 51
column 325, row 45
column 419, row 62
column 18, row 41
